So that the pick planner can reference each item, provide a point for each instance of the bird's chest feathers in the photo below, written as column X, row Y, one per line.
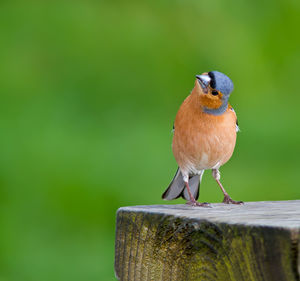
column 199, row 135
column 208, row 130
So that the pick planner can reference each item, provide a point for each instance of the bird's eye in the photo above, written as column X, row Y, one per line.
column 214, row 93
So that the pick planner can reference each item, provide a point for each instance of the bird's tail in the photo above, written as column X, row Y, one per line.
column 177, row 187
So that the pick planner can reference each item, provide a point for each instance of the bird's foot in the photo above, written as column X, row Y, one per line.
column 228, row 200
column 194, row 203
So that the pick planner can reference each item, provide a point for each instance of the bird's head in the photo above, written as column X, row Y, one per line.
column 213, row 89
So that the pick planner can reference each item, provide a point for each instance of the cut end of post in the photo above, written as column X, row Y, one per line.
column 225, row 242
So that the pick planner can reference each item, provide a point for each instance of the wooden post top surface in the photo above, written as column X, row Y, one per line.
column 257, row 241
column 283, row 214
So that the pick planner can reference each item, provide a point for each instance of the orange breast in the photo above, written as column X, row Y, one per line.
column 201, row 140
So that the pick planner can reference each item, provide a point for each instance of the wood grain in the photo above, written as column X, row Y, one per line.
column 256, row 241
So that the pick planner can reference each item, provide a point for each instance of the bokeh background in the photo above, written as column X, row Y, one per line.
column 89, row 91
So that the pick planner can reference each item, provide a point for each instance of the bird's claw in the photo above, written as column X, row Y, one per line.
column 194, row 203
column 228, row 200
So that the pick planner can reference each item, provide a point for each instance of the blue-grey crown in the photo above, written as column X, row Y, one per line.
column 221, row 82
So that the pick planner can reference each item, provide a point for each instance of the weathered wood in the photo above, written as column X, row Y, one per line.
column 255, row 241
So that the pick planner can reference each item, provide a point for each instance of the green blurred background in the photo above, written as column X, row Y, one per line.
column 89, row 91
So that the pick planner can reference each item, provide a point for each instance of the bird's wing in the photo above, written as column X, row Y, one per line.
column 237, row 128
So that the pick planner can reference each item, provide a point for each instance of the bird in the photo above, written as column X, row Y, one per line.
column 205, row 130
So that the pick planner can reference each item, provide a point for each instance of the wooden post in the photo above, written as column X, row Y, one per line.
column 255, row 241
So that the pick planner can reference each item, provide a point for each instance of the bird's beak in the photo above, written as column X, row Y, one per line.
column 203, row 80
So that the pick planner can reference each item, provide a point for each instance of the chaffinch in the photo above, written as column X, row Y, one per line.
column 204, row 138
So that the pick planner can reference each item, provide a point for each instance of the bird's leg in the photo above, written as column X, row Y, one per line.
column 192, row 200
column 227, row 198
